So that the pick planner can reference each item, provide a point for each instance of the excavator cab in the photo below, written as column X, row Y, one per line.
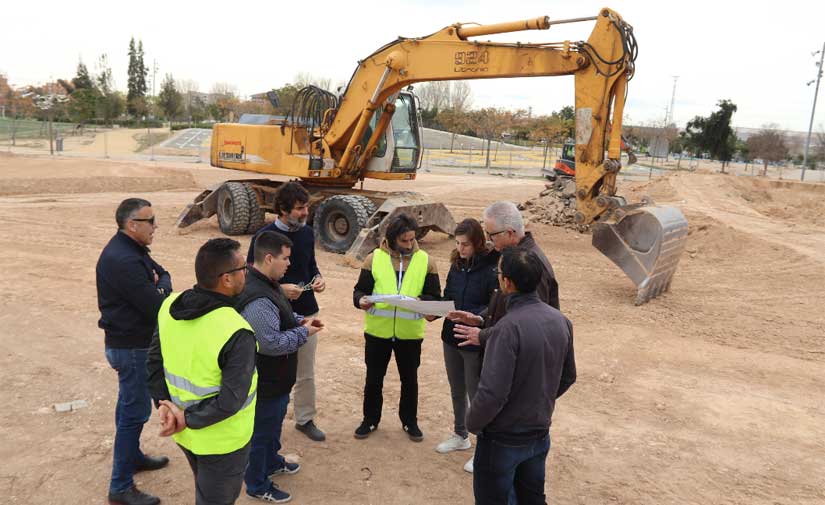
column 399, row 151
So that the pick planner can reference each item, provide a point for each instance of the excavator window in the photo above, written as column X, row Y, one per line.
column 406, row 135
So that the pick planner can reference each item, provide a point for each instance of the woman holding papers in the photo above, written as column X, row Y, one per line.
column 470, row 284
column 397, row 267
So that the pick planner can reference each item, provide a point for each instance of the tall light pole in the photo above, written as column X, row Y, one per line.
column 813, row 109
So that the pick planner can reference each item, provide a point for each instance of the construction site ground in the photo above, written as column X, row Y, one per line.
column 710, row 394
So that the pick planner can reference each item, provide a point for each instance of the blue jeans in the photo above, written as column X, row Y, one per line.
column 134, row 406
column 501, row 470
column 266, row 442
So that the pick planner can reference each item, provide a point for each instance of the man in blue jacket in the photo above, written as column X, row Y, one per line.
column 131, row 287
column 300, row 283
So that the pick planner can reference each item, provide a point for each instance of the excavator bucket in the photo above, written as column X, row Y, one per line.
column 430, row 216
column 646, row 244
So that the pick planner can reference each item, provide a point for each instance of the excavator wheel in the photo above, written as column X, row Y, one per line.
column 233, row 208
column 339, row 219
column 257, row 215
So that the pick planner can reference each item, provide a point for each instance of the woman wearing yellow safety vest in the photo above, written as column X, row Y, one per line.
column 397, row 267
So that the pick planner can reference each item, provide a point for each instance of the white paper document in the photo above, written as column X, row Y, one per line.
column 427, row 308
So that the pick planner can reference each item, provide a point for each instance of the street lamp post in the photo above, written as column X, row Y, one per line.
column 813, row 109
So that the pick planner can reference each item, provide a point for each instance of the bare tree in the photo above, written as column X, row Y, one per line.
column 819, row 146
column 224, row 89
column 434, row 95
column 461, row 96
column 769, row 145
column 188, row 89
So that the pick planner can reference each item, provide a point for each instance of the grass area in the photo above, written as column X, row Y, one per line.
column 32, row 129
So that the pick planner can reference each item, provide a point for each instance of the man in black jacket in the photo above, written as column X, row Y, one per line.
column 300, row 283
column 528, row 363
column 130, row 289
column 201, row 367
column 280, row 333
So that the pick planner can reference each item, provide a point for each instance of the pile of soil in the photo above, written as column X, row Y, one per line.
column 555, row 205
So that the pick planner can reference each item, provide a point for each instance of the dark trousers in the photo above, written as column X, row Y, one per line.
column 463, row 374
column 134, row 406
column 266, row 443
column 500, row 469
column 218, row 477
column 377, row 352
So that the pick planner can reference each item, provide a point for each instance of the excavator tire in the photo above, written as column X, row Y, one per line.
column 339, row 219
column 257, row 215
column 233, row 208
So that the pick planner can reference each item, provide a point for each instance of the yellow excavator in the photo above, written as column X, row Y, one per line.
column 371, row 131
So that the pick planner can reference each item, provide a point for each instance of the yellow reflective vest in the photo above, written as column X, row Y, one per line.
column 387, row 321
column 190, row 350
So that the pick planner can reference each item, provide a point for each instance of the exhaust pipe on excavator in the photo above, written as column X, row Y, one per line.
column 646, row 242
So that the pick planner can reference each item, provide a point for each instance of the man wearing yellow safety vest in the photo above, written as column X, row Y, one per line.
column 202, row 373
column 398, row 266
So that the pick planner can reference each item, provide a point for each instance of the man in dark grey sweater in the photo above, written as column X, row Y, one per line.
column 528, row 363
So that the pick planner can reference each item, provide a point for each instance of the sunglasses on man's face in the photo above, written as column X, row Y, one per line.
column 234, row 270
column 150, row 220
column 491, row 235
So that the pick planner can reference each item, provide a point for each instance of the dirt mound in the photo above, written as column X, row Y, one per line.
column 709, row 239
column 660, row 189
column 798, row 202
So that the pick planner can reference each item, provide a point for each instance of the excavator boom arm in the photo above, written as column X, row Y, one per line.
column 601, row 66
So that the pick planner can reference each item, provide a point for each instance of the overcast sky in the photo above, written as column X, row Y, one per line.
column 758, row 57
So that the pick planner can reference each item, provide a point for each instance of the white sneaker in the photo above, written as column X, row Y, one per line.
column 468, row 466
column 454, row 443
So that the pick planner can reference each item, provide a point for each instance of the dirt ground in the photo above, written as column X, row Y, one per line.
column 710, row 394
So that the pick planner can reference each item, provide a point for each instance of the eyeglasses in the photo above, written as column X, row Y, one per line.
column 491, row 235
column 150, row 220
column 234, row 270
column 308, row 285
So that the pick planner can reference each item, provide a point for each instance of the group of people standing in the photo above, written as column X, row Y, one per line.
column 221, row 360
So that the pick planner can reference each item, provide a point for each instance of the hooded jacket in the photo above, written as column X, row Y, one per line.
column 236, row 361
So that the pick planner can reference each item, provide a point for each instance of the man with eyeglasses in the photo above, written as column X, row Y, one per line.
column 202, row 373
column 504, row 227
column 131, row 287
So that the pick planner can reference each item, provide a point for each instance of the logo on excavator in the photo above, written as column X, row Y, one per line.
column 471, row 61
column 230, row 156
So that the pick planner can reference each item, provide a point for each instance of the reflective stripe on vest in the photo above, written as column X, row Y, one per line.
column 190, row 350
column 181, row 383
column 391, row 313
column 387, row 321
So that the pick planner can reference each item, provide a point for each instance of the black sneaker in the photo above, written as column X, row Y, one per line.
column 150, row 463
column 133, row 496
column 364, row 430
column 414, row 432
column 313, row 432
